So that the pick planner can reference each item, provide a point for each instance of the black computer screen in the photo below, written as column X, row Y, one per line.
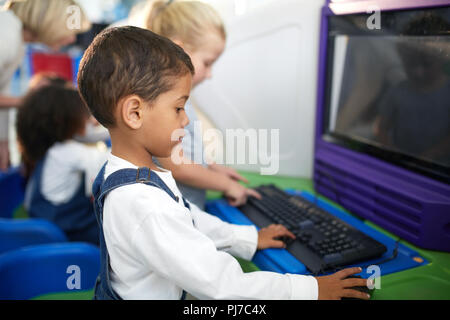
column 388, row 89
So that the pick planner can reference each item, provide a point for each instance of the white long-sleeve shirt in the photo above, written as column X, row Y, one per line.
column 156, row 250
column 65, row 164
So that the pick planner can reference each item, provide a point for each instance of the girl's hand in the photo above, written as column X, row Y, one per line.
column 267, row 235
column 237, row 194
column 230, row 172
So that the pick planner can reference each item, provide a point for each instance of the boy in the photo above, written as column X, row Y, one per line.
column 154, row 244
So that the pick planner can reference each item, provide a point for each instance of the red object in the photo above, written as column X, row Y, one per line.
column 59, row 64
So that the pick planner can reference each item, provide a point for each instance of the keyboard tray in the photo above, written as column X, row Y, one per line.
column 280, row 260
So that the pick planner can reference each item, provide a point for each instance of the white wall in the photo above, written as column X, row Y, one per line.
column 267, row 76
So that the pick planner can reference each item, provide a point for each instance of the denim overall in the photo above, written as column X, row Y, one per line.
column 100, row 188
column 75, row 217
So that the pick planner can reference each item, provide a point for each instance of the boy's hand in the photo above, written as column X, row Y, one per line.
column 267, row 235
column 336, row 286
column 237, row 194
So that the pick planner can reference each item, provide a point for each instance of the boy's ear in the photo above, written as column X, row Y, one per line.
column 131, row 111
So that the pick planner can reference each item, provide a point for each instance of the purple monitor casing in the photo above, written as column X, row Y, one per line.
column 407, row 204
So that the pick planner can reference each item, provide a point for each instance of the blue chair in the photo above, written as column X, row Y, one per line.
column 12, row 191
column 48, row 268
column 16, row 233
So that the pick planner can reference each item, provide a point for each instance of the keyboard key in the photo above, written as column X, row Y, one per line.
column 332, row 258
column 306, row 224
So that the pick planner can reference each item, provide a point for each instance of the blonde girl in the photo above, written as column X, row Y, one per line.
column 199, row 30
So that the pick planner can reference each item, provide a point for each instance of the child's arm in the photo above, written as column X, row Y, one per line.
column 200, row 177
column 9, row 102
column 230, row 172
column 241, row 241
column 88, row 159
column 238, row 240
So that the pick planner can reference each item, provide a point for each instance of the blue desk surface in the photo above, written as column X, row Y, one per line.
column 280, row 260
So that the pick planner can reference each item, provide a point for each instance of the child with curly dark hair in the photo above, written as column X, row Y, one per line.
column 60, row 169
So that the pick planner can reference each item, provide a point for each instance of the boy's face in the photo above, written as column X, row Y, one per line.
column 165, row 119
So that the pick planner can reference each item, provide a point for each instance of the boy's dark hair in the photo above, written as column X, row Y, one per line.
column 128, row 60
column 48, row 115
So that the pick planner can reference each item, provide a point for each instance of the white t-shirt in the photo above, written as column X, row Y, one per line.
column 63, row 170
column 156, row 251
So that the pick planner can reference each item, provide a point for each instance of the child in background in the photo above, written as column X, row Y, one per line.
column 94, row 132
column 198, row 29
column 60, row 170
column 154, row 244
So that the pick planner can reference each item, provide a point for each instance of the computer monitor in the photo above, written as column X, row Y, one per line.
column 382, row 147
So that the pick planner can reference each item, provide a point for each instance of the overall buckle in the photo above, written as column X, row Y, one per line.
column 139, row 179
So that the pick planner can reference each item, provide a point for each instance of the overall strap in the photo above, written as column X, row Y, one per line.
column 130, row 176
column 100, row 189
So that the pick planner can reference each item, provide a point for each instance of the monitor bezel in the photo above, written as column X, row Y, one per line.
column 402, row 165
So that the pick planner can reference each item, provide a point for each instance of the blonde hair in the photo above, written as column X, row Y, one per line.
column 48, row 20
column 187, row 21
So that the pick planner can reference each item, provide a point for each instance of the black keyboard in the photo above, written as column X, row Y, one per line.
column 323, row 242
